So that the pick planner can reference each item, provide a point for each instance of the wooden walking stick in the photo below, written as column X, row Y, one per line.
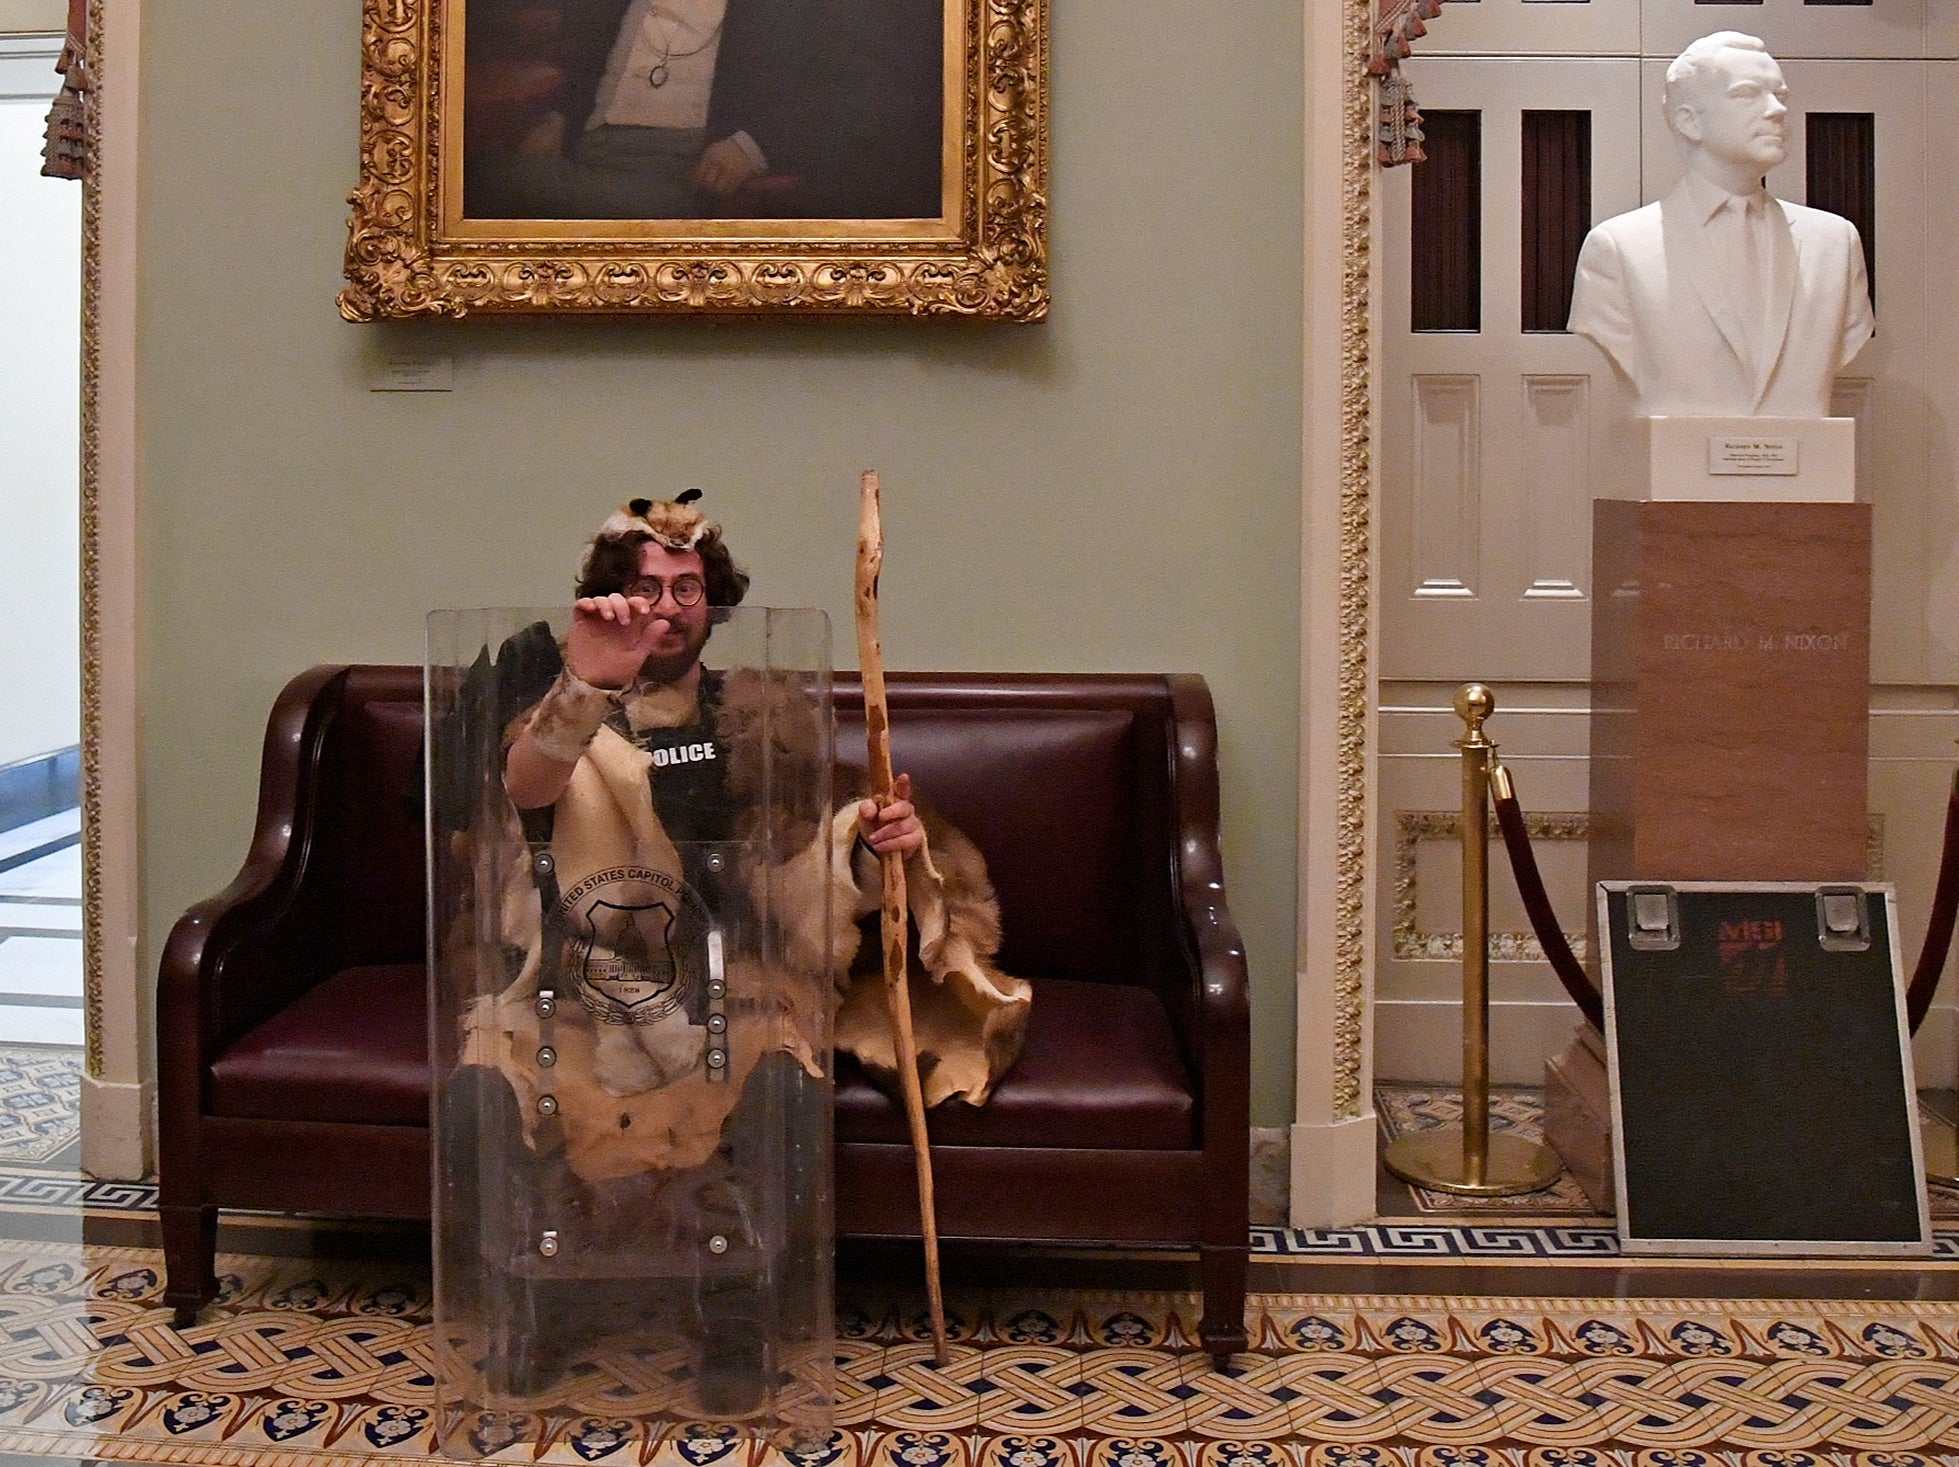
column 877, row 729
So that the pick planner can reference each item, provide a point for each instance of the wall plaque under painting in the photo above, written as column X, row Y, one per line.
column 719, row 156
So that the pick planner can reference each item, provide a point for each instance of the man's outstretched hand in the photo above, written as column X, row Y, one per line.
column 611, row 636
column 892, row 827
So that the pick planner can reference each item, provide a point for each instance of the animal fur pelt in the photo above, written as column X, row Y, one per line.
column 634, row 1098
column 970, row 1018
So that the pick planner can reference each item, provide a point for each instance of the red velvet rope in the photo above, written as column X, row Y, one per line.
column 1530, row 885
column 1578, row 984
column 1938, row 931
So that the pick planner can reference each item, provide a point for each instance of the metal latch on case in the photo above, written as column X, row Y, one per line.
column 1843, row 919
column 1652, row 919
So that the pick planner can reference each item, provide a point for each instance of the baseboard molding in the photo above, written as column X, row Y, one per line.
column 1332, row 1169
column 1420, row 1040
column 118, row 1120
column 34, row 789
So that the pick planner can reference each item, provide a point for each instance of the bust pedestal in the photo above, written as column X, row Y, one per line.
column 1730, row 724
column 1802, row 459
column 1730, row 691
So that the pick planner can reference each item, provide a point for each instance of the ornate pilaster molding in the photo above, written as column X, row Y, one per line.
column 1398, row 24
column 115, row 1096
column 1355, row 668
column 91, row 579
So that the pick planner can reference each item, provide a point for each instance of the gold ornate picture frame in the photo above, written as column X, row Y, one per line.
column 449, row 118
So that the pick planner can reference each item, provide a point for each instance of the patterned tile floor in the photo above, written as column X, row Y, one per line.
column 305, row 1361
column 311, row 1362
column 40, row 1101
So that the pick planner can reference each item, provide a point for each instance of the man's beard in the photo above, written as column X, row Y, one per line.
column 668, row 667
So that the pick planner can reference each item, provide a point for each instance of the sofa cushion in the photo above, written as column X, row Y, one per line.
column 370, row 826
column 353, row 1048
column 1051, row 799
column 1100, row 1068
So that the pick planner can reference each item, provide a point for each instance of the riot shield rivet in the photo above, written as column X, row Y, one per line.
column 546, row 1007
column 547, row 1105
column 716, row 862
column 548, row 1244
column 543, row 865
column 717, row 1244
column 547, row 1056
column 716, row 1058
column 716, row 988
column 716, row 1023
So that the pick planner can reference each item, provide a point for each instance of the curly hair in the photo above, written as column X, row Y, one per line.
column 612, row 562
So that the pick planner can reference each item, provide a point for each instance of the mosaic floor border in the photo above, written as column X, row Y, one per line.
column 1477, row 1242
column 1389, row 1241
column 41, row 1191
column 326, row 1362
column 934, row 1449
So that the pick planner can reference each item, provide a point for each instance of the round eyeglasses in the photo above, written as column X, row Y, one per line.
column 685, row 590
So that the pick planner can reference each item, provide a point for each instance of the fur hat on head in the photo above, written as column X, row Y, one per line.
column 612, row 559
column 675, row 523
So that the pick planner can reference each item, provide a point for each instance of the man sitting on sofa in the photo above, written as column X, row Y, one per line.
column 657, row 1122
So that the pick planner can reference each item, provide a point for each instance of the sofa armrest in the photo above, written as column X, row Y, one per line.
column 1221, row 1011
column 214, row 979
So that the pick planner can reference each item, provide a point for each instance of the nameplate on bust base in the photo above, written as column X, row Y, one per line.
column 1806, row 459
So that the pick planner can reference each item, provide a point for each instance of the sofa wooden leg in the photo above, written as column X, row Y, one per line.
column 1222, row 1329
column 190, row 1259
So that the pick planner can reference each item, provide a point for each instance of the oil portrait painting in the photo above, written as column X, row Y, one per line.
column 728, row 156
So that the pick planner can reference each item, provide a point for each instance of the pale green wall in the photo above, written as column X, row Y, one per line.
column 1118, row 488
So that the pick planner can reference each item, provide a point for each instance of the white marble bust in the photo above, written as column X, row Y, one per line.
column 1720, row 300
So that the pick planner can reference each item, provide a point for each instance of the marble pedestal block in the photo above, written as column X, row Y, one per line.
column 1730, row 691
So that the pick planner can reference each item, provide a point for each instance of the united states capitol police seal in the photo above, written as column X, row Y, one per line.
column 634, row 943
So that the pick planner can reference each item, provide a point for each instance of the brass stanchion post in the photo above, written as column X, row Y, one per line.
column 1469, row 1160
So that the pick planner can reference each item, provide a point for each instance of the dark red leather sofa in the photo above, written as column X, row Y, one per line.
column 292, row 1032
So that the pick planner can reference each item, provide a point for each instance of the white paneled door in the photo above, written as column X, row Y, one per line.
column 1499, row 436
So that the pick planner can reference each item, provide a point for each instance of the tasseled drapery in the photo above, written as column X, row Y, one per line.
column 65, row 154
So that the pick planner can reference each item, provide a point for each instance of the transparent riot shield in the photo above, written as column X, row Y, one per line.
column 630, row 1010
